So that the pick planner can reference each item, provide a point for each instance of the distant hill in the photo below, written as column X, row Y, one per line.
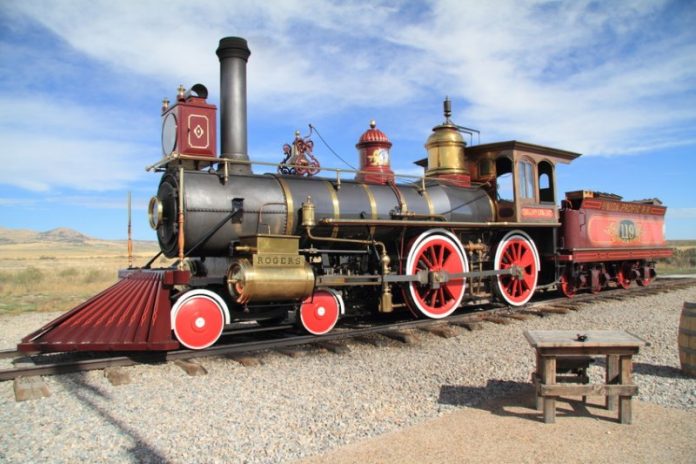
column 62, row 235
column 59, row 234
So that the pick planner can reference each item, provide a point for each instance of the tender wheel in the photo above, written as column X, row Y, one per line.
column 439, row 253
column 567, row 285
column 646, row 276
column 623, row 276
column 198, row 318
column 595, row 281
column 320, row 312
column 517, row 249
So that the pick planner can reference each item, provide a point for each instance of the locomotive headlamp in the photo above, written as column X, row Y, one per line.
column 154, row 212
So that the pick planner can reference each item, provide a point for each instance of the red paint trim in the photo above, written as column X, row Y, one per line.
column 600, row 255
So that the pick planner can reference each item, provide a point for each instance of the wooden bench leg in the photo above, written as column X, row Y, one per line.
column 625, row 411
column 549, row 378
column 625, row 378
column 540, row 377
column 612, row 377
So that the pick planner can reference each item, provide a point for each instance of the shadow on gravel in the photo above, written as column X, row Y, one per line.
column 669, row 372
column 77, row 386
column 517, row 399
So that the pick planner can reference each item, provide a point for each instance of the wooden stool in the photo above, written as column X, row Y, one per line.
column 563, row 357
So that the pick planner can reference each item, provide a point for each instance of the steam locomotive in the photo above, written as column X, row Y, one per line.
column 481, row 223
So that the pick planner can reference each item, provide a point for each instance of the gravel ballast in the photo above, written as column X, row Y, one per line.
column 290, row 408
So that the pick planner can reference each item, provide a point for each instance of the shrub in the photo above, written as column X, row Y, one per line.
column 28, row 276
column 95, row 275
column 68, row 272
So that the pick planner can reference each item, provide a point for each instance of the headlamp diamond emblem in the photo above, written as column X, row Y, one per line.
column 198, row 131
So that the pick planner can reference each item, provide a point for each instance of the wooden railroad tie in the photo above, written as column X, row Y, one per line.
column 497, row 320
column 470, row 326
column 554, row 310
column 333, row 347
column 30, row 388
column 246, row 361
column 117, row 376
column 532, row 312
column 293, row 351
column 374, row 340
column 442, row 330
column 516, row 316
column 401, row 336
column 190, row 367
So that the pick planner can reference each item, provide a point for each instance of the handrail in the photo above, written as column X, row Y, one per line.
column 180, row 157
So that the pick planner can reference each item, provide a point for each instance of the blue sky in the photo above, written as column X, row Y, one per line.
column 81, row 83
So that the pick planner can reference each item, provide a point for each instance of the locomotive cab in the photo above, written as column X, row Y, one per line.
column 520, row 178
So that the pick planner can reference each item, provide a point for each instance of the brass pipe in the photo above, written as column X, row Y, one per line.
column 452, row 224
column 181, row 219
column 414, row 215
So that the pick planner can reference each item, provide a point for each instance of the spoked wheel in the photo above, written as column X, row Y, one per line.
column 517, row 249
column 623, row 276
column 439, row 254
column 567, row 285
column 646, row 276
column 320, row 311
column 198, row 318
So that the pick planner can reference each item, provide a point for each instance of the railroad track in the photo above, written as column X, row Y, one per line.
column 250, row 340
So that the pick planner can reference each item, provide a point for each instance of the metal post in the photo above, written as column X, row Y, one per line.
column 130, row 236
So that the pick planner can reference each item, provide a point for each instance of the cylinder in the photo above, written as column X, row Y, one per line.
column 284, row 277
column 687, row 339
column 233, row 53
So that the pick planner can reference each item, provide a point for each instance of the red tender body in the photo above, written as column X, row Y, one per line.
column 606, row 229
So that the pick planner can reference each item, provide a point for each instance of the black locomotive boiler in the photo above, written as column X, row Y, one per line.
column 481, row 223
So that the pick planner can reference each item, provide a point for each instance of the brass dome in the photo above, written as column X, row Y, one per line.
column 446, row 151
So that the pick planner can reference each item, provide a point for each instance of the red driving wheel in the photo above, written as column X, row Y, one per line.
column 517, row 249
column 439, row 254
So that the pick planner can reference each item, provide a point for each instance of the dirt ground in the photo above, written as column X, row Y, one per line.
column 509, row 430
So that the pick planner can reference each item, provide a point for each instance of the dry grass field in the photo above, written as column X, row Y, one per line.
column 54, row 272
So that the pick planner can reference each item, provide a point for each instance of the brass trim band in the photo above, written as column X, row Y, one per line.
column 373, row 206
column 431, row 208
column 336, row 207
column 289, row 206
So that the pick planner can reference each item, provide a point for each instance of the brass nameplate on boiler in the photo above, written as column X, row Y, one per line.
column 278, row 260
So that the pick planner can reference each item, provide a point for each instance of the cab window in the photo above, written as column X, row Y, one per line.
column 526, row 180
column 503, row 181
column 546, row 189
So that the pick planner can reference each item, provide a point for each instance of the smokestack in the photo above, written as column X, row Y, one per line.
column 233, row 53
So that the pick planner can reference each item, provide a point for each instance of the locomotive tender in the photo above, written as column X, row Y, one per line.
column 482, row 223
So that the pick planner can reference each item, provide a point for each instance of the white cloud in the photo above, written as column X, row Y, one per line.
column 579, row 75
column 50, row 144
column 599, row 78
